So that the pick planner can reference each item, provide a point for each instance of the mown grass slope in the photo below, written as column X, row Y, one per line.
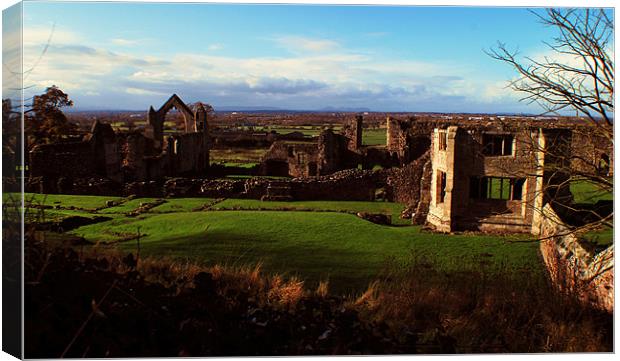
column 312, row 240
column 392, row 209
column 315, row 246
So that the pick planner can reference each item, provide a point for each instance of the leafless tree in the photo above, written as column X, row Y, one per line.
column 577, row 76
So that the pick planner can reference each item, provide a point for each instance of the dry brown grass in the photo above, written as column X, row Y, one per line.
column 322, row 290
column 472, row 310
column 483, row 312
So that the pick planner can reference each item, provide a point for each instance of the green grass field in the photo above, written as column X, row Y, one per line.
column 393, row 209
column 237, row 155
column 84, row 202
column 369, row 136
column 315, row 246
column 374, row 137
column 312, row 240
column 586, row 192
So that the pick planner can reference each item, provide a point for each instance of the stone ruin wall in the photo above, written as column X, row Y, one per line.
column 595, row 154
column 352, row 185
column 572, row 268
column 326, row 154
column 353, row 132
column 123, row 157
column 72, row 160
column 410, row 185
column 188, row 153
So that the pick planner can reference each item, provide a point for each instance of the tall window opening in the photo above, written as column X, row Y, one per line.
column 441, row 186
column 443, row 140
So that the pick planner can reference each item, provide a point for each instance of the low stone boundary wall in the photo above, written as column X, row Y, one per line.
column 573, row 269
column 347, row 185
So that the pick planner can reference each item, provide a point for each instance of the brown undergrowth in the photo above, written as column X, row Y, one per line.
column 482, row 310
column 103, row 303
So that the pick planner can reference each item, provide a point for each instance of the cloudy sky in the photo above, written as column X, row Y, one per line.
column 130, row 56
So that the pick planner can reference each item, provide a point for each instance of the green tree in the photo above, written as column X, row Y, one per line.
column 45, row 120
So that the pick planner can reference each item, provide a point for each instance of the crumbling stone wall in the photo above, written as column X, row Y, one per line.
column 70, row 160
column 351, row 185
column 188, row 153
column 352, row 130
column 295, row 159
column 408, row 139
column 410, row 185
column 594, row 154
column 323, row 155
column 587, row 275
column 127, row 157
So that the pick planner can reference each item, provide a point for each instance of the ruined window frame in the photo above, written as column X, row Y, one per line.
column 482, row 188
column 441, row 183
column 498, row 145
column 442, row 140
column 301, row 158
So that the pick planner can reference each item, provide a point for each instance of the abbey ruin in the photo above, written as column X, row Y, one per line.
column 453, row 174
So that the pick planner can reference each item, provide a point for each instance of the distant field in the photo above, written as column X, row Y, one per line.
column 237, row 155
column 374, row 137
column 369, row 136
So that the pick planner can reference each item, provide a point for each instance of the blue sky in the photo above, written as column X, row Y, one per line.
column 396, row 58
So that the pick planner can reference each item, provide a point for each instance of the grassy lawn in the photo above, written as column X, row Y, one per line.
column 85, row 202
column 587, row 192
column 239, row 164
column 318, row 244
column 392, row 209
column 307, row 130
column 181, row 205
column 315, row 246
column 128, row 206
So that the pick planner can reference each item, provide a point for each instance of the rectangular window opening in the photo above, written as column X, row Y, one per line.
column 496, row 188
column 441, row 186
column 443, row 140
column 497, row 144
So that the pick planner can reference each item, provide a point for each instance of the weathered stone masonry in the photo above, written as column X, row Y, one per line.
column 127, row 157
column 490, row 179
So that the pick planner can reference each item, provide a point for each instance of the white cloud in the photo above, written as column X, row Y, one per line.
column 136, row 91
column 123, row 42
column 305, row 44
column 319, row 72
column 214, row 47
column 40, row 36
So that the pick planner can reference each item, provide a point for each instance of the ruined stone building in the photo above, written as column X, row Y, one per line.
column 129, row 156
column 452, row 174
column 495, row 179
column 325, row 154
